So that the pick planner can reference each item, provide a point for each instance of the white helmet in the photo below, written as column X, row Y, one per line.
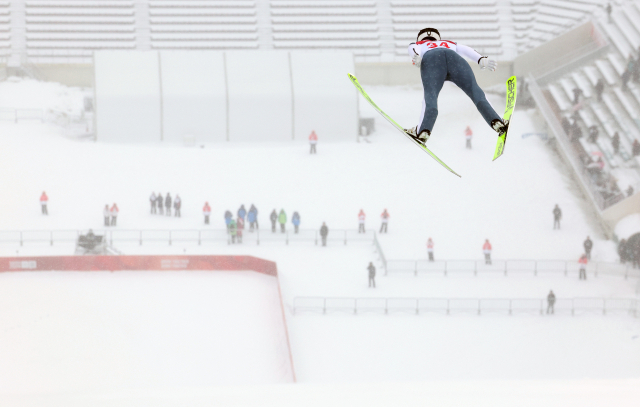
column 428, row 34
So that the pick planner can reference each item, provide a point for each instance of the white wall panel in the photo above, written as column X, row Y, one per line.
column 259, row 95
column 127, row 96
column 194, row 95
column 325, row 99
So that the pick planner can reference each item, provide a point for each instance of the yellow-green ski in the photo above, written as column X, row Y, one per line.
column 354, row 80
column 508, row 111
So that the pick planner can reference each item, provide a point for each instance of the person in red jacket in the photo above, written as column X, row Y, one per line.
column 385, row 221
column 583, row 267
column 206, row 211
column 313, row 140
column 430, row 249
column 468, row 133
column 114, row 214
column 43, row 203
column 361, row 217
column 486, row 249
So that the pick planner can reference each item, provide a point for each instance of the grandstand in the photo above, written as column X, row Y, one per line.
column 67, row 31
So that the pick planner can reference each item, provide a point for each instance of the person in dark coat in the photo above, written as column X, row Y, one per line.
column 588, row 245
column 252, row 217
column 635, row 148
column 324, row 232
column 593, row 134
column 551, row 300
column 159, row 203
column 566, row 125
column 242, row 212
column 599, row 88
column 372, row 275
column 228, row 216
column 177, row 204
column 622, row 250
column 295, row 219
column 615, row 142
column 630, row 191
column 167, row 204
column 577, row 92
column 557, row 215
column 274, row 218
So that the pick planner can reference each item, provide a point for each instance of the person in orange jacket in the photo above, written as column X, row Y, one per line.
column 206, row 211
column 313, row 140
column 43, row 203
column 385, row 221
column 583, row 267
column 486, row 249
column 114, row 214
column 361, row 217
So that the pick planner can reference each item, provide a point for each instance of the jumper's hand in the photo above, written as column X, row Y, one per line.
column 486, row 63
column 417, row 60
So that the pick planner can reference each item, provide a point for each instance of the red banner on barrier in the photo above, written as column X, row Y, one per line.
column 116, row 263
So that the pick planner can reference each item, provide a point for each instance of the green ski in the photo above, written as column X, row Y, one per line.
column 508, row 111
column 354, row 80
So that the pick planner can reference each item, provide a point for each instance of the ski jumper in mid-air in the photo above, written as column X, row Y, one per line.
column 442, row 60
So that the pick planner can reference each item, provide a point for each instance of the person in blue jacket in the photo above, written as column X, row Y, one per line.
column 252, row 217
column 242, row 212
column 295, row 219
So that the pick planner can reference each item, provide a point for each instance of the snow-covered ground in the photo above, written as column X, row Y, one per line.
column 98, row 331
column 508, row 201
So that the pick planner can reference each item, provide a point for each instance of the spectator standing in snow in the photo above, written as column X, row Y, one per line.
column 324, row 232
column 609, row 9
column 588, row 245
column 486, row 249
column 233, row 230
column 593, row 134
column 273, row 218
column 282, row 219
column 615, row 142
column 551, row 301
column 242, row 212
column 583, row 267
column 468, row 134
column 107, row 215
column 385, row 221
column 577, row 92
column 44, row 199
column 361, row 218
column 159, row 202
column 240, row 228
column 167, row 204
column 313, row 140
column 152, row 201
column 430, row 249
column 557, row 215
column 599, row 88
column 114, row 214
column 295, row 219
column 228, row 217
column 630, row 191
column 372, row 275
column 252, row 216
column 206, row 211
column 622, row 250
column 635, row 148
column 177, row 204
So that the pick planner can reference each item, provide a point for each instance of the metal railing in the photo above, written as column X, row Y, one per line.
column 535, row 267
column 15, row 115
column 478, row 306
column 192, row 236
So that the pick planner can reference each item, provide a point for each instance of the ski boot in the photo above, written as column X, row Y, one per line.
column 500, row 126
column 420, row 138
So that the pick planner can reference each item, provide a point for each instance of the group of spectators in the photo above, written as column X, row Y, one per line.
column 384, row 218
column 110, row 214
column 486, row 250
column 162, row 206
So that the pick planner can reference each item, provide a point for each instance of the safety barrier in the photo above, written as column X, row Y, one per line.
column 202, row 236
column 535, row 267
column 478, row 306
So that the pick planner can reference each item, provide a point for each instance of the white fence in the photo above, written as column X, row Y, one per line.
column 16, row 115
column 479, row 306
column 506, row 267
column 169, row 237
